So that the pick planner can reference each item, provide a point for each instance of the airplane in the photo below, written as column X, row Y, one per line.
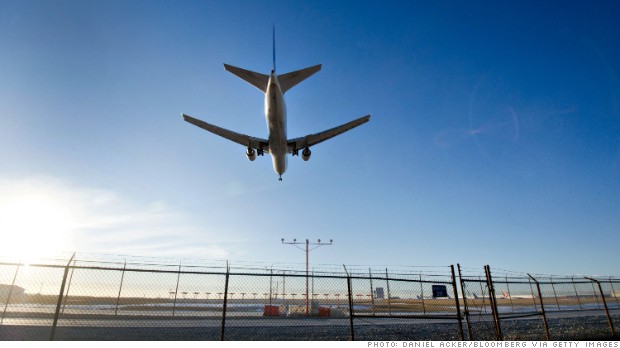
column 277, row 144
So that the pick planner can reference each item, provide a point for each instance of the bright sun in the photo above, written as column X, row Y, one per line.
column 34, row 225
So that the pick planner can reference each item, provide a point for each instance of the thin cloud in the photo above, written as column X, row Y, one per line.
column 104, row 221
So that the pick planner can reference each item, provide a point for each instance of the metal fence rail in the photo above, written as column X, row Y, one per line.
column 103, row 298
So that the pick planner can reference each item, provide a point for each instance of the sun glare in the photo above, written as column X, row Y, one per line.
column 33, row 226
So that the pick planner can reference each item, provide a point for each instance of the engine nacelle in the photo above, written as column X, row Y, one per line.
column 251, row 154
column 305, row 154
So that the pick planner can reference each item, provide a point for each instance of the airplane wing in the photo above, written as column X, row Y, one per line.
column 313, row 139
column 242, row 139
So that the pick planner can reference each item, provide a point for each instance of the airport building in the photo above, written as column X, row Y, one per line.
column 5, row 291
column 379, row 294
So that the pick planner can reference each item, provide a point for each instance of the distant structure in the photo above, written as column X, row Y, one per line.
column 379, row 294
column 5, row 291
column 316, row 244
column 439, row 291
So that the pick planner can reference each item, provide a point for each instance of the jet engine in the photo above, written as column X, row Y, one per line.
column 305, row 154
column 251, row 154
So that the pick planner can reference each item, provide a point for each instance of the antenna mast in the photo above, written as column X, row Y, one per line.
column 274, row 48
column 308, row 250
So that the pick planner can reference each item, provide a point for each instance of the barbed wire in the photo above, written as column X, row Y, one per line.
column 196, row 264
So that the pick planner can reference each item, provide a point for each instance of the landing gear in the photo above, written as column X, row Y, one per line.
column 280, row 178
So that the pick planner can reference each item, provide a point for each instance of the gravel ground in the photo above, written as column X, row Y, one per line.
column 582, row 328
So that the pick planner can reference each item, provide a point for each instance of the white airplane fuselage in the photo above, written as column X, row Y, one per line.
column 274, row 87
column 275, row 115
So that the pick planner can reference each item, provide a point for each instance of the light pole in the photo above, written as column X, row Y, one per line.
column 315, row 245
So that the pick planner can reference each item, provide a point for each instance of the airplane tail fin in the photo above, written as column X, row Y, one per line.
column 260, row 81
column 257, row 80
column 290, row 80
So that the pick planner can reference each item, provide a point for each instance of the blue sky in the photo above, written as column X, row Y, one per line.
column 495, row 135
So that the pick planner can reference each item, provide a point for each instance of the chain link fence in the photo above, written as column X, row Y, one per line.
column 510, row 306
column 94, row 297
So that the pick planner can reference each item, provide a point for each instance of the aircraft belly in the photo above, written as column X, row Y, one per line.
column 276, row 122
column 279, row 163
column 278, row 148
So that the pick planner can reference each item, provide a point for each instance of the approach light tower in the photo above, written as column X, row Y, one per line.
column 315, row 245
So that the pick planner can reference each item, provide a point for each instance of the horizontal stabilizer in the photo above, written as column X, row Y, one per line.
column 289, row 80
column 242, row 139
column 313, row 139
column 257, row 80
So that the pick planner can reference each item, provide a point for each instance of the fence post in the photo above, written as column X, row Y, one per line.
column 350, row 292
column 60, row 295
column 284, row 290
column 600, row 289
column 576, row 294
column 542, row 306
column 387, row 283
column 598, row 304
column 225, row 302
column 458, row 306
column 8, row 298
column 512, row 306
column 270, row 288
column 372, row 292
column 533, row 297
column 466, row 311
column 120, row 288
column 176, row 291
column 64, row 302
column 555, row 294
column 483, row 306
column 422, row 295
column 613, row 291
column 492, row 299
